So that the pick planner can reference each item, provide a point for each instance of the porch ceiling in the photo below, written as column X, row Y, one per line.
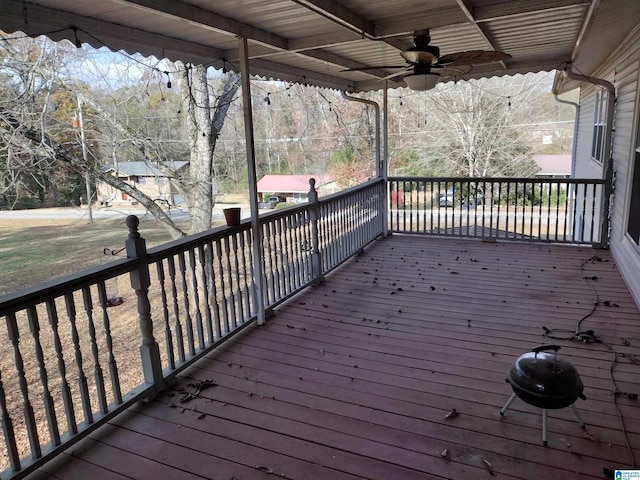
column 312, row 41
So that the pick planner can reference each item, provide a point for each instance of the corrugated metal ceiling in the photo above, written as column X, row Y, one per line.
column 316, row 40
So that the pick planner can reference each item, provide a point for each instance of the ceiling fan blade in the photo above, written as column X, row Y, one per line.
column 452, row 70
column 393, row 75
column 473, row 57
column 418, row 56
column 377, row 67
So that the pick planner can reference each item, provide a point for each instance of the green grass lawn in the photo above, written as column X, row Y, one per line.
column 36, row 251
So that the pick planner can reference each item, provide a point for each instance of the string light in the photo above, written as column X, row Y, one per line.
column 77, row 42
column 168, row 79
column 267, row 99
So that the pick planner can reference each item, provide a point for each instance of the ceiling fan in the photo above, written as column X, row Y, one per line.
column 425, row 67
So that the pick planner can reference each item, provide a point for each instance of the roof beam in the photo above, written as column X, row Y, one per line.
column 340, row 14
column 296, row 75
column 317, row 54
column 298, row 45
column 270, row 42
column 467, row 8
column 200, row 16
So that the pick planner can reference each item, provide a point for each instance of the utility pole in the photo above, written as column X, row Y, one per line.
column 85, row 156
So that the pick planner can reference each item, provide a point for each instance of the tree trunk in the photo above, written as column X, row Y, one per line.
column 203, row 129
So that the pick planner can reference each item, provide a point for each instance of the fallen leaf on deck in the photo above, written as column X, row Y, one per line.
column 488, row 465
column 590, row 436
column 452, row 414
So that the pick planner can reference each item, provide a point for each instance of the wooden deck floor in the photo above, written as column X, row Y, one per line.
column 354, row 379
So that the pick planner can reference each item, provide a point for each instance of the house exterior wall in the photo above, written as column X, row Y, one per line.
column 154, row 187
column 623, row 71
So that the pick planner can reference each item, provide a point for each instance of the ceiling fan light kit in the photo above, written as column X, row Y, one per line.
column 421, row 82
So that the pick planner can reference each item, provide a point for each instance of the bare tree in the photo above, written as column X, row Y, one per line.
column 30, row 114
column 204, row 123
column 478, row 126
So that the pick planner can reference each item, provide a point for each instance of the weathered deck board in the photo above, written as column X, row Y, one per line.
column 353, row 379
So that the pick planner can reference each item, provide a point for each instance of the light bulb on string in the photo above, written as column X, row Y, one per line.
column 267, row 99
column 76, row 41
column 168, row 79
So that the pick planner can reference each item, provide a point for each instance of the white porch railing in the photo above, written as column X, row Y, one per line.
column 524, row 209
column 71, row 348
column 73, row 357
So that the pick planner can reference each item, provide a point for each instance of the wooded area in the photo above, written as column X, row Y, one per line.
column 144, row 109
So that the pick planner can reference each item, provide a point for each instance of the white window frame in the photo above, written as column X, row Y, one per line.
column 600, row 128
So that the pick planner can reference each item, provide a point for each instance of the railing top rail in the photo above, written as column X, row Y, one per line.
column 182, row 244
column 185, row 243
column 595, row 181
column 285, row 211
column 349, row 191
column 41, row 292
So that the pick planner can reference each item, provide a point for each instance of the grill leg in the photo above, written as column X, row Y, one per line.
column 508, row 404
column 544, row 427
column 577, row 415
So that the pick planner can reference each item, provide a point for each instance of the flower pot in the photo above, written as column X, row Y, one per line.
column 232, row 216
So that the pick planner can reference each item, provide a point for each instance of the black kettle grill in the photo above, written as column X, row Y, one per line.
column 545, row 381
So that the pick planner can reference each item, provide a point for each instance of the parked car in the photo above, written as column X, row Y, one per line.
column 446, row 200
column 272, row 202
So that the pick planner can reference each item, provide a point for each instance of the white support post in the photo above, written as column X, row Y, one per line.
column 256, row 228
column 385, row 159
column 314, row 213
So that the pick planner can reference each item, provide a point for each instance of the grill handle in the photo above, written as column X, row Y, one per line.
column 543, row 348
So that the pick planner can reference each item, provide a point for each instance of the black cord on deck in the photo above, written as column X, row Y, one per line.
column 589, row 336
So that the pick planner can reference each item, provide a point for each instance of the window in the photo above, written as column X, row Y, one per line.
column 600, row 134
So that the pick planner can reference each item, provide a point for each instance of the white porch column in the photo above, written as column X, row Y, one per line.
column 256, row 230
column 384, row 164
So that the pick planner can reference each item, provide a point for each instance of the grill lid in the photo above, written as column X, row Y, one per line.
column 545, row 377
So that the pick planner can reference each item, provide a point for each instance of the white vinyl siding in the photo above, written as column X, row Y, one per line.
column 623, row 71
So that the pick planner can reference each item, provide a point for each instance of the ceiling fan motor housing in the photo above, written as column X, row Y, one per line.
column 421, row 41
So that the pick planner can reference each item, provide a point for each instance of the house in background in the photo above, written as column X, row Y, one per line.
column 143, row 176
column 553, row 166
column 294, row 187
